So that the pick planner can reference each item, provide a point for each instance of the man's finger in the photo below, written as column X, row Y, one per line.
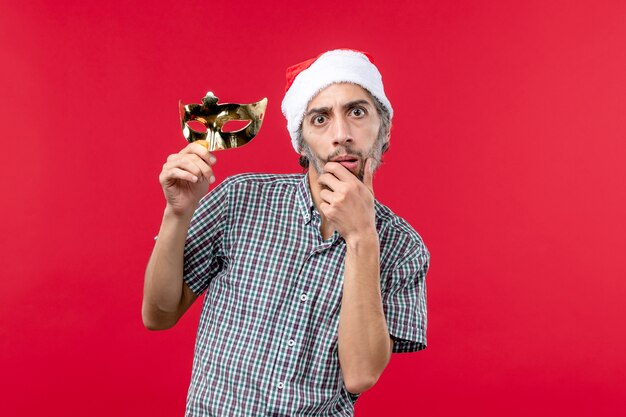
column 330, row 181
column 368, row 175
column 338, row 171
column 327, row 196
column 201, row 151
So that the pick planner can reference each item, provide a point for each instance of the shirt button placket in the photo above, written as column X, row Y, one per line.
column 291, row 342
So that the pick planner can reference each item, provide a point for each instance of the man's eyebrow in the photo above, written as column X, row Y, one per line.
column 348, row 105
column 317, row 110
column 361, row 102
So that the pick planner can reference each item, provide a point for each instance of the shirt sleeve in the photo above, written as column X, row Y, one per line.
column 404, row 301
column 204, row 256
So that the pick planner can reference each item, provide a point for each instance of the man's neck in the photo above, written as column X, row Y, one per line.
column 325, row 229
column 314, row 187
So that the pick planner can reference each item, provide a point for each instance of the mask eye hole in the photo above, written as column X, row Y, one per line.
column 196, row 126
column 235, row 125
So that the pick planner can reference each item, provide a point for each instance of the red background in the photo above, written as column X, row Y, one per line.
column 508, row 155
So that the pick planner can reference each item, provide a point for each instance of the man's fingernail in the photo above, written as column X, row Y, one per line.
column 211, row 179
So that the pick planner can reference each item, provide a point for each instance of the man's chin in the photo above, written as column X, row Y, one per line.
column 360, row 171
column 360, row 175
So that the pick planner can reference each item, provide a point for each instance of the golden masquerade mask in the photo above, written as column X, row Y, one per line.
column 214, row 116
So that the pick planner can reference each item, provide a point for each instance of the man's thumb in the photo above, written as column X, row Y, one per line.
column 368, row 175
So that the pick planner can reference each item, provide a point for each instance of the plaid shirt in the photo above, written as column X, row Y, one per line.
column 267, row 337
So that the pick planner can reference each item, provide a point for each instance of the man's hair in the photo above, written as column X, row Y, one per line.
column 383, row 132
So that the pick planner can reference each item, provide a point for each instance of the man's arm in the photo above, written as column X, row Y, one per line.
column 185, row 178
column 165, row 296
column 364, row 343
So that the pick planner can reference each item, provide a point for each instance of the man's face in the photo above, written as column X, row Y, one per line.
column 341, row 124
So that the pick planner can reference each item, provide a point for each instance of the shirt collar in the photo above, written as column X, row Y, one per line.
column 304, row 198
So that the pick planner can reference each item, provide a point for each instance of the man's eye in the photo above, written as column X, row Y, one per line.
column 318, row 120
column 358, row 112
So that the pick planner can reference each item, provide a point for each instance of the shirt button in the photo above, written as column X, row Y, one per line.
column 280, row 385
column 304, row 297
column 291, row 342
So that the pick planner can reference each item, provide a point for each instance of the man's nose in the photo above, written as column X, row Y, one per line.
column 341, row 132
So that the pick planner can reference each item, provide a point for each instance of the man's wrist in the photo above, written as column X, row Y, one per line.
column 366, row 239
column 173, row 214
column 174, row 221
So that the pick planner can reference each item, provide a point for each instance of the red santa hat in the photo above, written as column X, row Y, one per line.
column 306, row 79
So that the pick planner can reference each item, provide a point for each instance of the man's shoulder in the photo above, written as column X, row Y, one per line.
column 396, row 232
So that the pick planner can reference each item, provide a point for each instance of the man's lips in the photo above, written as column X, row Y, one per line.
column 348, row 161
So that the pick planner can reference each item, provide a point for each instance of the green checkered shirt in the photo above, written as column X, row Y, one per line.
column 267, row 337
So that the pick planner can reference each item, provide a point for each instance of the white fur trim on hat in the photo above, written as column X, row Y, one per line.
column 330, row 68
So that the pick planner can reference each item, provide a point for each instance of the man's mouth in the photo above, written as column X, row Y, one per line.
column 348, row 161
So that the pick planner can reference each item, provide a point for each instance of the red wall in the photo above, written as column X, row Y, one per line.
column 508, row 155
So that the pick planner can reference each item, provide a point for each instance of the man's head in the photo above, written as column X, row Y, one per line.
column 343, row 122
column 336, row 108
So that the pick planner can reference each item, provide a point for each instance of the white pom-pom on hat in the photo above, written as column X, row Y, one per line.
column 306, row 79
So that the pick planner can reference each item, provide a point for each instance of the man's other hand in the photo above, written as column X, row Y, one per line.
column 185, row 178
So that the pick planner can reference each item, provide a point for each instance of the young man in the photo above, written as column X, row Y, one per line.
column 310, row 283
